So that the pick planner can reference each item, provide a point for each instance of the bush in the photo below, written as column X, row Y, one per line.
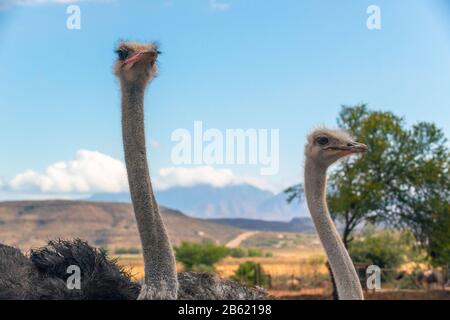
column 203, row 256
column 386, row 249
column 244, row 252
column 251, row 274
column 237, row 252
column 200, row 256
column 255, row 252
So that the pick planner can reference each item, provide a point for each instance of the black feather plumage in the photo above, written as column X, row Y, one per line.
column 44, row 276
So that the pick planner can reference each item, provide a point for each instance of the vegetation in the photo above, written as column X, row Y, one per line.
column 251, row 274
column 203, row 256
column 200, row 256
column 130, row 250
column 386, row 249
column 246, row 252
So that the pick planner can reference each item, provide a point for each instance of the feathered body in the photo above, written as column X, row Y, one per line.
column 43, row 276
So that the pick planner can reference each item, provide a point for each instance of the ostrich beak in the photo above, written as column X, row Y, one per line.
column 352, row 147
column 140, row 55
column 356, row 147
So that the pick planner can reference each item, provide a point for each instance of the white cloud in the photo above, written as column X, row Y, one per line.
column 90, row 172
column 216, row 5
column 34, row 2
column 94, row 172
column 6, row 4
column 186, row 177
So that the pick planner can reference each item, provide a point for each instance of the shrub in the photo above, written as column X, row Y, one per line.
column 200, row 256
column 238, row 252
column 251, row 273
column 386, row 249
column 244, row 252
column 255, row 252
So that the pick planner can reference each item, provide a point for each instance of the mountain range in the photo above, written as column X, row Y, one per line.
column 296, row 225
column 231, row 202
column 29, row 224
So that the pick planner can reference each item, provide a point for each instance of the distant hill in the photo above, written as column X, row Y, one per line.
column 298, row 225
column 235, row 201
column 27, row 224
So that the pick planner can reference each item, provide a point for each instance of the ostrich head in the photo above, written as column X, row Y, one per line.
column 326, row 146
column 136, row 63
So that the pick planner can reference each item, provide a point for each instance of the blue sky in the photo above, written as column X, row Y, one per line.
column 283, row 64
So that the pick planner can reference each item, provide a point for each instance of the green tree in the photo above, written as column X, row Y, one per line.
column 424, row 205
column 360, row 187
column 439, row 242
column 200, row 256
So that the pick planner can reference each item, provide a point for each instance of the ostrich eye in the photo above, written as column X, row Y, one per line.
column 322, row 141
column 122, row 54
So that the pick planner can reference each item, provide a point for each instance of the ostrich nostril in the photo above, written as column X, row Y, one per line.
column 350, row 144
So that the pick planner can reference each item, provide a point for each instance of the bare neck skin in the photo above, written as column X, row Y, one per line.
column 347, row 281
column 160, row 268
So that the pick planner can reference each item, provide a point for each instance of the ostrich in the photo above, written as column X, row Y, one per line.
column 323, row 148
column 135, row 67
column 44, row 274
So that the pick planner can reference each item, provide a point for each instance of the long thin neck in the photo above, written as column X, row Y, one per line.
column 347, row 281
column 159, row 260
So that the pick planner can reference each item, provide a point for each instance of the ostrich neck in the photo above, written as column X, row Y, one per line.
column 159, row 260
column 347, row 281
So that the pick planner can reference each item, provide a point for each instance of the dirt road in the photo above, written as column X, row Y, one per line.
column 240, row 238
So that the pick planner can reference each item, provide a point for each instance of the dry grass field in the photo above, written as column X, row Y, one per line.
column 285, row 263
column 292, row 254
column 308, row 262
column 296, row 269
column 296, row 261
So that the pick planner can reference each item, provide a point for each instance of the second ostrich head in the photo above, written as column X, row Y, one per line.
column 136, row 62
column 326, row 146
